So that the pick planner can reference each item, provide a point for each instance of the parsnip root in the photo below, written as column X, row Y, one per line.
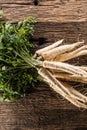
column 70, row 55
column 74, row 93
column 53, row 69
column 50, row 47
column 51, row 54
column 65, row 67
column 69, row 77
column 60, row 89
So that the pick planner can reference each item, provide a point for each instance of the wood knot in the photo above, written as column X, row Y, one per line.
column 36, row 2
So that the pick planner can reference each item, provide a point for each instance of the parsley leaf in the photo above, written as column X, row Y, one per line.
column 17, row 74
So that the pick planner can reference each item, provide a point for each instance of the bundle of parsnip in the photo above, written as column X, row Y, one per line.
column 19, row 69
column 53, row 69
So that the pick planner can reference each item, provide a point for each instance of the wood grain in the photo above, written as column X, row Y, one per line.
column 48, row 10
column 43, row 109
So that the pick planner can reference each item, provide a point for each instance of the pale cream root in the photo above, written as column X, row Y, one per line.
column 51, row 54
column 53, row 69
column 59, row 88
column 74, row 93
column 65, row 67
column 68, row 77
column 40, row 51
column 52, row 80
column 70, row 55
column 70, row 98
column 83, row 67
column 83, row 52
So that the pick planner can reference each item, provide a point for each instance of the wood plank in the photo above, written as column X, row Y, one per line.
column 40, row 111
column 16, row 1
column 46, row 11
column 54, row 31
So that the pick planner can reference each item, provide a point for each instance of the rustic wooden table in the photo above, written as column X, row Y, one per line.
column 42, row 110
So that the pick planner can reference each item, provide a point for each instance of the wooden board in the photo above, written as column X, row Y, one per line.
column 42, row 109
column 46, row 10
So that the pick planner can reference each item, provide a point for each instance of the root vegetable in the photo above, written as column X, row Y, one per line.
column 41, row 51
column 51, row 54
column 74, row 93
column 65, row 67
column 51, row 79
column 83, row 68
column 68, row 77
column 67, row 56
column 59, row 88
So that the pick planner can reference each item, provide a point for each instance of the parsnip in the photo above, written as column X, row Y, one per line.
column 51, row 54
column 70, row 55
column 41, row 51
column 74, row 93
column 65, row 67
column 68, row 77
column 52, row 80
column 83, row 67
column 71, row 99
column 59, row 88
column 83, row 52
